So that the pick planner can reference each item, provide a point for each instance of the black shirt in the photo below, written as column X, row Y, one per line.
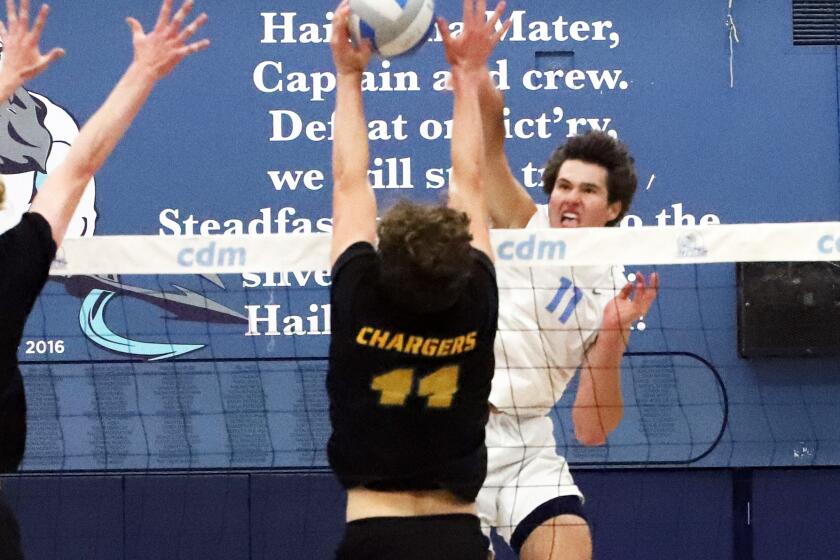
column 408, row 391
column 26, row 252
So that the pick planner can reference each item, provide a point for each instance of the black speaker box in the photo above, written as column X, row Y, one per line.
column 788, row 309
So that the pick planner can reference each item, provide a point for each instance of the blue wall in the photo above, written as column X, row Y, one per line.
column 765, row 150
column 210, row 145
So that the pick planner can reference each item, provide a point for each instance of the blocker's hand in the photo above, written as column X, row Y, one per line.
column 22, row 58
column 471, row 49
column 166, row 45
column 348, row 58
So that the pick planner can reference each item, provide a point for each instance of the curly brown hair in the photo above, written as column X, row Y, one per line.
column 2, row 192
column 601, row 149
column 424, row 251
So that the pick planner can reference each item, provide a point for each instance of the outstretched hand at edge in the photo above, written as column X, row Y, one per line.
column 472, row 48
column 166, row 45
column 22, row 57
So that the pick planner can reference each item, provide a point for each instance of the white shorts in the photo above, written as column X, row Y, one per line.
column 523, row 472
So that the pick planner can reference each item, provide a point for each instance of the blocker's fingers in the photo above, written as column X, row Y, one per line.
column 626, row 291
column 443, row 27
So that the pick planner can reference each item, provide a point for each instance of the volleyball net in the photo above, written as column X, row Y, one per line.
column 178, row 353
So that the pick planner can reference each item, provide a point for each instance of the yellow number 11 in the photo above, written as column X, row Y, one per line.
column 395, row 387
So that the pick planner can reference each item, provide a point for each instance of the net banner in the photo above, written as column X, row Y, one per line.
column 807, row 241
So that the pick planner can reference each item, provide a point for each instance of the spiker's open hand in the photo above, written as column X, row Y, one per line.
column 623, row 310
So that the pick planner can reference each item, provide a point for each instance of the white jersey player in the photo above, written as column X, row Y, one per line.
column 548, row 317
column 554, row 323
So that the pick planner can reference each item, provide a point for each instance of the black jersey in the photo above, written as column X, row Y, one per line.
column 26, row 252
column 408, row 391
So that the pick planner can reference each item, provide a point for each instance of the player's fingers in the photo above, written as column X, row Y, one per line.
column 443, row 28
column 342, row 15
column 625, row 291
column 163, row 15
column 468, row 10
column 640, row 285
column 11, row 14
column 45, row 61
column 640, row 279
column 191, row 29
column 652, row 289
column 343, row 6
column 341, row 31
column 193, row 48
column 181, row 15
column 647, row 295
column 653, row 282
column 497, row 15
column 480, row 10
column 3, row 32
column 23, row 14
column 501, row 32
column 654, row 279
column 136, row 27
column 39, row 23
column 54, row 55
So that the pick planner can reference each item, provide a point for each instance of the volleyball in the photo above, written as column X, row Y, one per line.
column 394, row 27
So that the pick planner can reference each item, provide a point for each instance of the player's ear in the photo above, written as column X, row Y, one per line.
column 613, row 210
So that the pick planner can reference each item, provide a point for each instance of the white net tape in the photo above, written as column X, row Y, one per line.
column 810, row 241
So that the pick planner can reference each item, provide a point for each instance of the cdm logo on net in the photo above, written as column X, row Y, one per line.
column 828, row 244
column 211, row 255
column 531, row 249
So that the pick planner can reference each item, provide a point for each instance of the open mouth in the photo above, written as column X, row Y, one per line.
column 569, row 219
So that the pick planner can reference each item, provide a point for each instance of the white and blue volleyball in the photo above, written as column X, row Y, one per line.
column 394, row 27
